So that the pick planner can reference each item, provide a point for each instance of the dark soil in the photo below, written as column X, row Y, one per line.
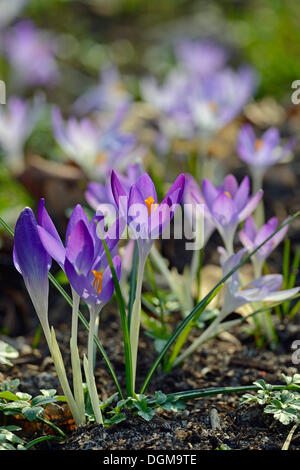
column 221, row 362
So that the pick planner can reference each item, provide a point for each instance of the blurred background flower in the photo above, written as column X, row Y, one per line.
column 127, row 82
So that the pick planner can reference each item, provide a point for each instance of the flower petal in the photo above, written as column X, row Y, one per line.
column 223, row 210
column 77, row 215
column 251, row 205
column 32, row 260
column 53, row 246
column 230, row 185
column 146, row 187
column 242, row 194
column 80, row 248
column 210, row 193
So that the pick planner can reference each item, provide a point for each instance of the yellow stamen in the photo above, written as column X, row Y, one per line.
column 213, row 106
column 119, row 87
column 258, row 144
column 149, row 203
column 101, row 158
column 97, row 284
column 228, row 194
column 248, row 286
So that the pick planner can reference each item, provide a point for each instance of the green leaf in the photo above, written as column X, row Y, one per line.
column 23, row 396
column 173, row 404
column 116, row 419
column 14, row 407
column 9, row 385
column 160, row 398
column 48, row 393
column 38, row 440
column 285, row 416
column 147, row 414
column 11, row 428
column 43, row 400
column 7, row 352
column 32, row 413
column 9, row 396
column 7, row 436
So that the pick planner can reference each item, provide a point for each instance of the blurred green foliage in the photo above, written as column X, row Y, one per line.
column 266, row 31
column 269, row 35
column 13, row 197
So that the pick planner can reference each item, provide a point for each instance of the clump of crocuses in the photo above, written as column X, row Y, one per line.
column 84, row 261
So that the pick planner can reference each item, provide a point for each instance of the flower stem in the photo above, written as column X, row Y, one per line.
column 136, row 316
column 259, row 213
column 62, row 376
column 75, row 359
column 89, row 369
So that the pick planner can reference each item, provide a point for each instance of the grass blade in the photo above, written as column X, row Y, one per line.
column 210, row 392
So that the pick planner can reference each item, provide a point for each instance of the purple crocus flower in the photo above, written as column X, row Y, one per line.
column 263, row 289
column 98, row 194
column 33, row 262
column 201, row 57
column 78, row 138
column 83, row 258
column 94, row 148
column 147, row 219
column 109, row 95
column 262, row 153
column 193, row 198
column 85, row 264
column 251, row 238
column 17, row 121
column 170, row 100
column 31, row 52
column 219, row 98
column 229, row 205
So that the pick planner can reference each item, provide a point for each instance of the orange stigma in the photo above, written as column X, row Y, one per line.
column 101, row 158
column 149, row 203
column 228, row 194
column 97, row 284
column 213, row 106
column 258, row 144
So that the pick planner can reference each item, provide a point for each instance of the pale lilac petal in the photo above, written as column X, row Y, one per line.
column 271, row 138
column 230, row 185
column 223, row 210
column 250, row 228
column 210, row 193
column 251, row 205
column 242, row 194
column 282, row 295
column 266, row 231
